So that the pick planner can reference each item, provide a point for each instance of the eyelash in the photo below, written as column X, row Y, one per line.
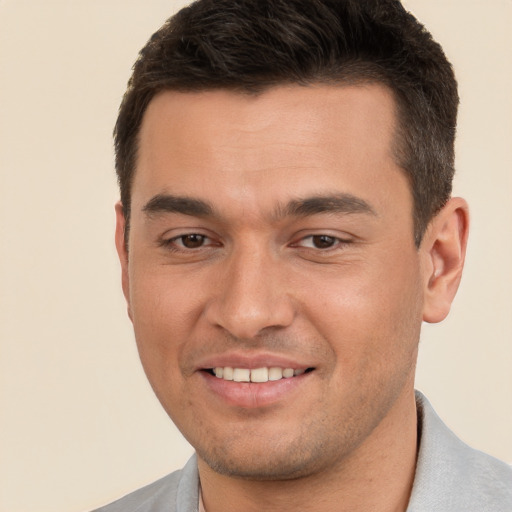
column 335, row 242
column 176, row 244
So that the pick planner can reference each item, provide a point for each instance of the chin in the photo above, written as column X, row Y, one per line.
column 268, row 462
column 269, row 470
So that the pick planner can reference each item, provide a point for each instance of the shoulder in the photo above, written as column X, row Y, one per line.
column 452, row 476
column 163, row 495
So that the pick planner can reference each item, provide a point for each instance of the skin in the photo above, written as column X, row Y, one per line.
column 256, row 283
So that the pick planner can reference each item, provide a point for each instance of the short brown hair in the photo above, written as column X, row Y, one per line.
column 252, row 45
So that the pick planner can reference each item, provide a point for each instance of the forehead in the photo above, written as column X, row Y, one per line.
column 308, row 114
column 287, row 137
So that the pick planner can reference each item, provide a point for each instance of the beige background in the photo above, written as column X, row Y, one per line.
column 79, row 423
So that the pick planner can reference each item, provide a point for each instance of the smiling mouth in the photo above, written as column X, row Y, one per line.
column 257, row 375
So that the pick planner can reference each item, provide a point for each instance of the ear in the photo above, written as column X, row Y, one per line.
column 444, row 250
column 122, row 252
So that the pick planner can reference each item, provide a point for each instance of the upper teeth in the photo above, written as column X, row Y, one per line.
column 256, row 374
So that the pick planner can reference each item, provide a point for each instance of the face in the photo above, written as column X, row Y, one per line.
column 270, row 236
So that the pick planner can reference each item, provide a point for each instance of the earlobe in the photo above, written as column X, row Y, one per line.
column 444, row 247
column 122, row 252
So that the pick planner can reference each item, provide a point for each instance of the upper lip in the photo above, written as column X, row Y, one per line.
column 252, row 361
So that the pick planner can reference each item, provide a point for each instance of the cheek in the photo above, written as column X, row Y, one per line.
column 374, row 309
column 161, row 311
column 159, row 297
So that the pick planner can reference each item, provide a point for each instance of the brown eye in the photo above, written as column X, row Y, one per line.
column 323, row 241
column 192, row 241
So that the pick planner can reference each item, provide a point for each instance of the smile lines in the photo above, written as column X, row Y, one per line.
column 257, row 374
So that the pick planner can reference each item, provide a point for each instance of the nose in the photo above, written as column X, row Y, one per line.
column 252, row 295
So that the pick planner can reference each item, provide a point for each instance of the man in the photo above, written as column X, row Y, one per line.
column 285, row 226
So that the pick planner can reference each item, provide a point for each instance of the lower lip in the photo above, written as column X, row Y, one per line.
column 251, row 395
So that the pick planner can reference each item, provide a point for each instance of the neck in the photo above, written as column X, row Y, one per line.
column 377, row 476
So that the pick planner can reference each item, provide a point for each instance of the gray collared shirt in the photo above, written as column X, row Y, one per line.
column 450, row 477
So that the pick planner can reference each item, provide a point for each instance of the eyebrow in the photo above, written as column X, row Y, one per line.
column 166, row 203
column 301, row 207
column 336, row 203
